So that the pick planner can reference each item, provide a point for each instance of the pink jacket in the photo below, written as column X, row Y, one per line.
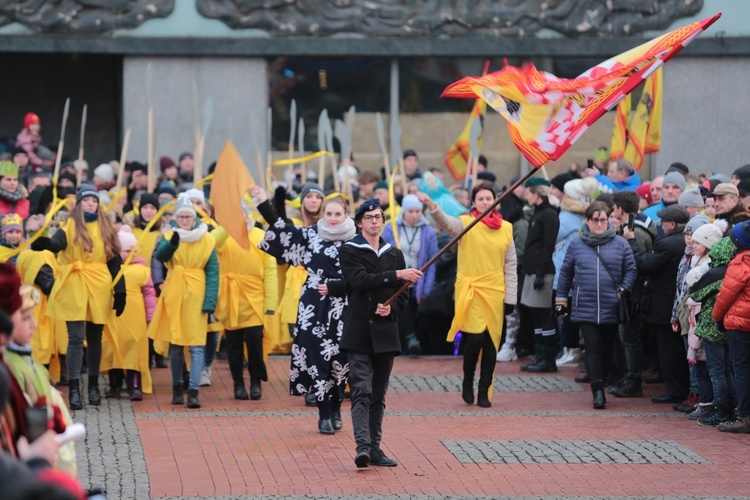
column 29, row 142
column 149, row 294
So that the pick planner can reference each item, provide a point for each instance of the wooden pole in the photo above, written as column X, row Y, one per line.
column 151, row 167
column 79, row 167
column 261, row 173
column 60, row 145
column 322, row 170
column 123, row 157
column 460, row 235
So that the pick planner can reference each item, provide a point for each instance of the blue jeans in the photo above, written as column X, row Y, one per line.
column 720, row 370
column 739, row 349
column 177, row 362
column 705, row 387
column 212, row 342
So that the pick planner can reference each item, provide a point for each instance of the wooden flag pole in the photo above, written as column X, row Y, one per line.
column 123, row 157
column 61, row 144
column 151, row 167
column 460, row 235
column 261, row 176
column 79, row 167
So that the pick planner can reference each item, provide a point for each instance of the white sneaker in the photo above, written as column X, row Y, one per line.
column 507, row 353
column 205, row 377
column 570, row 357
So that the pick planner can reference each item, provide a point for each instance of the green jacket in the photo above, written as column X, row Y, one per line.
column 706, row 289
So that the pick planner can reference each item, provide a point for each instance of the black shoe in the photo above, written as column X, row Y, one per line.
column 628, row 389
column 543, row 366
column 467, row 392
column 525, row 367
column 666, row 398
column 654, row 378
column 378, row 458
column 136, row 395
column 112, row 393
column 583, row 379
column 255, row 392
column 159, row 362
column 482, row 399
column 522, row 352
column 362, row 459
column 336, row 421
column 177, row 397
column 95, row 398
column 240, row 392
column 193, row 402
column 74, row 396
column 600, row 401
column 311, row 400
column 326, row 427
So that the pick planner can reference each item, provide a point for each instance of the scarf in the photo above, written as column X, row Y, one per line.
column 595, row 240
column 12, row 197
column 90, row 216
column 493, row 221
column 191, row 235
column 343, row 232
column 22, row 350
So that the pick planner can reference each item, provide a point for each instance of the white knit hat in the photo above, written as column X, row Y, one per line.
column 707, row 235
column 583, row 190
column 196, row 194
column 184, row 205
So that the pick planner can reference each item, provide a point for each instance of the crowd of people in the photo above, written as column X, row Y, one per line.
column 118, row 281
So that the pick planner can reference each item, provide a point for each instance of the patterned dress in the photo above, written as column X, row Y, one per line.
column 318, row 365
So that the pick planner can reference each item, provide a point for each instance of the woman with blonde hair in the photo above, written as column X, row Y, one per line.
column 88, row 253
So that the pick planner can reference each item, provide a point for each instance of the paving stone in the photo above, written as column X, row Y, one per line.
column 503, row 383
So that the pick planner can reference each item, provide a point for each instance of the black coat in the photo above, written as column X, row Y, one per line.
column 371, row 280
column 660, row 269
column 541, row 240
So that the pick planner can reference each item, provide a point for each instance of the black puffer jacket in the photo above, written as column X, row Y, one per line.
column 540, row 242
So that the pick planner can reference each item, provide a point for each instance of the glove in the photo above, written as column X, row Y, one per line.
column 119, row 304
column 42, row 243
column 538, row 281
column 561, row 308
column 508, row 309
column 175, row 239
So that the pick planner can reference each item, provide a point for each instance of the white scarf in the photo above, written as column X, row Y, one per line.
column 343, row 232
column 192, row 235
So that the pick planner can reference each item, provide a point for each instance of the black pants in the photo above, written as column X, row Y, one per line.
column 525, row 338
column 632, row 344
column 368, row 379
column 570, row 331
column 477, row 343
column 672, row 358
column 252, row 337
column 600, row 340
column 74, row 356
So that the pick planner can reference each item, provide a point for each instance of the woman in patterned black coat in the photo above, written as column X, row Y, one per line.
column 318, row 365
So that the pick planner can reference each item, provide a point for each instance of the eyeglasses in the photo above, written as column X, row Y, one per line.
column 370, row 218
column 185, row 217
column 599, row 221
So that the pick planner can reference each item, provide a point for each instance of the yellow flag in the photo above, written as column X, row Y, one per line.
column 231, row 181
column 620, row 130
column 645, row 125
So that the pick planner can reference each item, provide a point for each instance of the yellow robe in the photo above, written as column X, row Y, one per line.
column 179, row 319
column 51, row 336
column 293, row 279
column 131, row 330
column 146, row 244
column 480, row 284
column 82, row 288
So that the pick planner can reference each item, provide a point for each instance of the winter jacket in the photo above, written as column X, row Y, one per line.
column 660, row 268
column 651, row 212
column 733, row 302
column 428, row 247
column 29, row 141
column 680, row 287
column 20, row 207
column 628, row 184
column 540, row 242
column 571, row 220
column 706, row 289
column 595, row 297
column 149, row 294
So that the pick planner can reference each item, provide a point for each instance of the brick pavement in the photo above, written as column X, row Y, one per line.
column 540, row 439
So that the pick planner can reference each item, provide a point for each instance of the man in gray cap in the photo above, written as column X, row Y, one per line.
column 692, row 201
column 660, row 268
column 671, row 189
column 727, row 204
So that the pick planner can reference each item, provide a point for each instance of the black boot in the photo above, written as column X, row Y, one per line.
column 311, row 400
column 468, row 390
column 336, row 421
column 133, row 380
column 74, row 395
column 255, row 392
column 240, row 392
column 630, row 388
column 545, row 360
column 63, row 371
column 325, row 426
column 597, row 388
column 115, row 384
column 193, row 402
column 177, row 398
column 482, row 399
column 95, row 399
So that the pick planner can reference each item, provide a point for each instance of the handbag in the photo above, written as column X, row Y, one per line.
column 624, row 304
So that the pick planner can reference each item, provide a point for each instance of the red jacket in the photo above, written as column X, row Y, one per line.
column 733, row 303
column 22, row 207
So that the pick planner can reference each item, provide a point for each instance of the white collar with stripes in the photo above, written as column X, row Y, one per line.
column 356, row 242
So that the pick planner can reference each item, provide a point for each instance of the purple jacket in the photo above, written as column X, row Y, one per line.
column 428, row 247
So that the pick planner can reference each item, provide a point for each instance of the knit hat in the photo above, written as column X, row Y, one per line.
column 674, row 213
column 410, row 152
column 536, row 181
column 707, row 235
column 310, row 187
column 410, row 202
column 43, row 152
column 134, row 166
column 165, row 162
column 11, row 222
column 8, row 169
column 583, row 190
column 10, row 284
column 484, row 176
column 742, row 173
column 30, row 119
column 368, row 206
column 744, row 187
column 724, row 188
column 127, row 238
column 741, row 235
column 601, row 154
column 67, row 175
column 196, row 194
column 644, row 191
column 166, row 187
column 675, row 178
column 184, row 205
column 560, row 180
column 85, row 190
column 720, row 178
column 105, row 172
column 695, row 222
column 691, row 198
column 380, row 185
column 678, row 167
column 186, row 155
column 149, row 199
